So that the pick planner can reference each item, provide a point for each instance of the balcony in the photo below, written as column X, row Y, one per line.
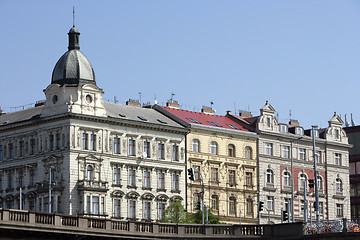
column 44, row 186
column 92, row 185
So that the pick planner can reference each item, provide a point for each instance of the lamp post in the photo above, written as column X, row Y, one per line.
column 202, row 195
column 315, row 177
column 50, row 202
column 292, row 183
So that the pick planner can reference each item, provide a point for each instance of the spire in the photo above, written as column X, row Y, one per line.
column 74, row 35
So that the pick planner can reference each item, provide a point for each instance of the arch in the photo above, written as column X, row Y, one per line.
column 117, row 193
column 302, row 179
column 231, row 150
column 31, row 195
column 162, row 198
column 147, row 196
column 248, row 152
column 9, row 198
column 195, row 145
column 286, row 178
column 175, row 198
column 214, row 148
column 132, row 195
column 320, row 182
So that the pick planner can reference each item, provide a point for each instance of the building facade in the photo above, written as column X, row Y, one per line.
column 225, row 153
column 76, row 154
column 277, row 143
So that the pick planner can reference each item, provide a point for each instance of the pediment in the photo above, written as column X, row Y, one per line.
column 117, row 193
column 147, row 196
column 162, row 197
column 336, row 120
column 132, row 195
column 267, row 108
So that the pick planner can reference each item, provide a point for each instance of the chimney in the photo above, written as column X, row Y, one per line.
column 1, row 111
column 207, row 110
column 294, row 123
column 133, row 102
column 243, row 113
column 172, row 104
column 228, row 112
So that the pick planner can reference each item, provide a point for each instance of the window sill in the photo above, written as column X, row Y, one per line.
column 117, row 185
column 131, row 186
column 161, row 190
column 175, row 191
column 147, row 188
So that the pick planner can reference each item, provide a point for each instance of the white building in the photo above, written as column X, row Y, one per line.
column 102, row 158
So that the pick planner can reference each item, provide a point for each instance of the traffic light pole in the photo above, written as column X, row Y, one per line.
column 316, row 204
column 305, row 202
column 292, row 183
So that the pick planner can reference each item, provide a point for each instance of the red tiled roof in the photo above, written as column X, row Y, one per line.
column 197, row 118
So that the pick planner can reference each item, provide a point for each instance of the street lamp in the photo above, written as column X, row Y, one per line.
column 315, row 177
column 50, row 202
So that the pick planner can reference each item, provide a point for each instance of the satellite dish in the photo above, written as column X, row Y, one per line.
column 144, row 154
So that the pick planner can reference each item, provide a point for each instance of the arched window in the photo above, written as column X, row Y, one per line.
column 232, row 204
column 248, row 153
column 195, row 145
column 89, row 172
column 338, row 185
column 320, row 183
column 269, row 176
column 213, row 148
column 286, row 179
column 249, row 206
column 302, row 181
column 231, row 149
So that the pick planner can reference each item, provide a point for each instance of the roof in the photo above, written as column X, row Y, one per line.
column 203, row 119
column 246, row 122
column 20, row 116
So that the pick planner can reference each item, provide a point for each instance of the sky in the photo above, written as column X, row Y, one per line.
column 302, row 56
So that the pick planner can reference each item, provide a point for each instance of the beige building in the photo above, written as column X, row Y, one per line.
column 226, row 155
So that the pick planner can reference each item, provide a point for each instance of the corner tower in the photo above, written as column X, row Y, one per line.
column 73, row 87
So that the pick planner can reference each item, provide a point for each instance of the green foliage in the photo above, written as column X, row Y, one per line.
column 175, row 213
column 197, row 217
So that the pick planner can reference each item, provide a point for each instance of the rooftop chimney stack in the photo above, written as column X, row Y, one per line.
column 243, row 113
column 294, row 123
column 133, row 102
column 172, row 104
column 207, row 110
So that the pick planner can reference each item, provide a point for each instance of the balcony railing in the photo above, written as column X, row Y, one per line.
column 93, row 185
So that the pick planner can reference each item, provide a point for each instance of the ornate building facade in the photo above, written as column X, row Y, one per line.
column 277, row 142
column 226, row 155
column 76, row 154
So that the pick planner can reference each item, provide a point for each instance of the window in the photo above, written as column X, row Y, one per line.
column 32, row 177
column 337, row 159
column 339, row 210
column 117, row 208
column 51, row 147
column 269, row 177
column 268, row 149
column 21, row 179
column 85, row 141
column 214, row 124
column 268, row 120
column 286, row 179
column 270, row 203
column 175, row 182
column 249, row 206
column 147, row 179
column 232, row 178
column 321, row 208
column 147, row 210
column 318, row 156
column 88, row 204
column 161, row 210
column 132, row 205
column 116, row 176
column 316, row 133
column 302, row 181
column 116, row 145
column 1, row 183
column 197, row 174
column 32, row 146
column 11, row 150
column 214, row 202
column 283, row 128
column 89, row 172
column 102, row 206
column 302, row 154
column 195, row 145
column 193, row 120
column 338, row 185
column 213, row 148
column 53, row 174
column 31, row 205
column 232, row 204
column 248, row 153
column 147, row 149
column 336, row 134
column 302, row 206
column 22, row 148
column 161, row 180
column 1, row 152
column 58, row 141
column 299, row 131
column 320, row 183
column 287, row 204
column 131, row 178
column 285, row 151
column 161, row 151
column 175, row 153
column 93, row 142
column 248, row 179
column 10, row 181
column 231, row 150
column 233, row 126
column 196, row 203
column 132, row 147
column 95, row 205
column 214, row 174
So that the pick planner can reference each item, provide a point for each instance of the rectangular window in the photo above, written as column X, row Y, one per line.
column 302, row 154
column 161, row 151
column 21, row 179
column 175, row 182
column 214, row 174
column 232, row 178
column 132, row 205
column 196, row 203
column 232, row 205
column 318, row 156
column 268, row 149
column 93, row 142
column 321, row 208
column 147, row 179
column 283, row 128
column 175, row 153
column 214, row 202
column 32, row 177
column 285, row 151
column 147, row 210
column 161, row 210
column 116, row 176
column 116, row 145
column 270, row 203
column 132, row 177
column 299, row 131
column 161, row 181
column 197, row 173
column 32, row 146
column 88, row 204
column 85, row 141
column 302, row 206
column 22, row 148
column 147, row 149
column 51, row 147
column 268, row 122
column 46, row 204
column 102, row 206
column 248, row 179
column 337, row 159
column 132, row 147
column 287, row 205
column 1, row 152
column 58, row 141
column 116, row 207
column 31, row 205
column 10, row 181
column 11, row 150
column 95, row 205
column 1, row 183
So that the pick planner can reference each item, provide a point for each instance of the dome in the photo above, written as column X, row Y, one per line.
column 73, row 68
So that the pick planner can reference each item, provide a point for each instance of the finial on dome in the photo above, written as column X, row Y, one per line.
column 73, row 16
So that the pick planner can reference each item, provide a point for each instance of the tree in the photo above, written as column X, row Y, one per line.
column 175, row 213
column 197, row 217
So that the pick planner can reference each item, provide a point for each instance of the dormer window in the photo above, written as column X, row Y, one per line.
column 268, row 120
column 336, row 134
column 283, row 128
column 316, row 133
column 299, row 131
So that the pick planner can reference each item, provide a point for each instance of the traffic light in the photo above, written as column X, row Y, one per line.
column 261, row 206
column 311, row 183
column 191, row 174
column 285, row 215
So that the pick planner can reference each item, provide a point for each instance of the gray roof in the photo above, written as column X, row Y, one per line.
column 31, row 113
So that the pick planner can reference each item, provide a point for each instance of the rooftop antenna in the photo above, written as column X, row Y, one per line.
column 346, row 122
column 73, row 16
column 211, row 103
column 235, row 108
column 140, row 97
column 115, row 99
column 290, row 114
column 155, row 100
column 172, row 97
column 352, row 121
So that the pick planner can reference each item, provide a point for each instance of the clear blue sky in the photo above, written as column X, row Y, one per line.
column 302, row 56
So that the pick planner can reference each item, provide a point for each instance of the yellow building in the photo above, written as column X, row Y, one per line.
column 225, row 153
